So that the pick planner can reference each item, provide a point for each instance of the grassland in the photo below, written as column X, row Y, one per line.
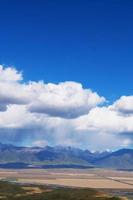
column 11, row 191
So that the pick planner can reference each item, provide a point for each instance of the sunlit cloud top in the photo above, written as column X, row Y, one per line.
column 61, row 114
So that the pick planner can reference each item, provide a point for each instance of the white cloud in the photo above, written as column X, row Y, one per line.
column 124, row 105
column 9, row 74
column 105, row 120
column 67, row 100
column 11, row 90
column 61, row 114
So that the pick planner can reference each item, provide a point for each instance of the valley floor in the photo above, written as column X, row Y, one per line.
column 113, row 182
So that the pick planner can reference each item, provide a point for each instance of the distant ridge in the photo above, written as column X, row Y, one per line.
column 63, row 157
column 121, row 159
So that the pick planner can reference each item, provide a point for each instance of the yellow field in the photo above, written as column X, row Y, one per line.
column 94, row 178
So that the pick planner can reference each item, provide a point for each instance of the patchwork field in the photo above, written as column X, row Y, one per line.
column 92, row 178
column 112, row 182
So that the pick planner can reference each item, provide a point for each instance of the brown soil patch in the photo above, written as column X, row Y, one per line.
column 35, row 190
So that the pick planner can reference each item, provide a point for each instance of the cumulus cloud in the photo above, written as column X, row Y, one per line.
column 124, row 105
column 11, row 90
column 67, row 100
column 36, row 113
column 9, row 74
column 105, row 120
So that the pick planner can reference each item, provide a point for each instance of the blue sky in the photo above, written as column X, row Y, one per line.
column 84, row 41
column 82, row 50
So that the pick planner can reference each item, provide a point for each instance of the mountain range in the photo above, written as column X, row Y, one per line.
column 63, row 157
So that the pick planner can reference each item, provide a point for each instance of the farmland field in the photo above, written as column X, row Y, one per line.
column 92, row 178
column 111, row 182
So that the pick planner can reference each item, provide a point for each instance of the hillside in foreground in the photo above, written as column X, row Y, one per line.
column 12, row 191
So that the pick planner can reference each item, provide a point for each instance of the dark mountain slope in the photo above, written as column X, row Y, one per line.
column 63, row 156
column 121, row 159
